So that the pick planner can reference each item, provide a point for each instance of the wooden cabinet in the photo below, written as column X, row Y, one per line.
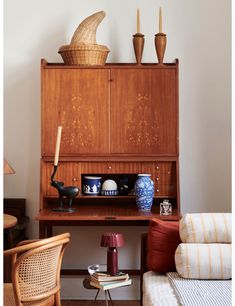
column 117, row 119
column 107, row 111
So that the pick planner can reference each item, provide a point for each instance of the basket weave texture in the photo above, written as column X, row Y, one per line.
column 84, row 54
column 83, row 49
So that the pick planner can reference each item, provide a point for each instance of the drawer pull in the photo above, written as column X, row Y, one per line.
column 157, row 190
column 157, row 167
column 74, row 179
column 109, row 167
column 157, row 178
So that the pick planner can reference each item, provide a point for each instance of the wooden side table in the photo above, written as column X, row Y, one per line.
column 9, row 221
column 86, row 284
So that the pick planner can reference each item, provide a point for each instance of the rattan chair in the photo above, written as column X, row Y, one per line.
column 36, row 268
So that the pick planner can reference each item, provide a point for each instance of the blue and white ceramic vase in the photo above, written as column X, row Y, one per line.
column 144, row 192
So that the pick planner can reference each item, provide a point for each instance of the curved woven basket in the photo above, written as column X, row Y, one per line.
column 86, row 31
column 83, row 49
column 84, row 54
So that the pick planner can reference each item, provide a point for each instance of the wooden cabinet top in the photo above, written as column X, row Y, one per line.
column 172, row 65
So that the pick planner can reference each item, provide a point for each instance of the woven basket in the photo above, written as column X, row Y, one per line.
column 83, row 49
column 84, row 54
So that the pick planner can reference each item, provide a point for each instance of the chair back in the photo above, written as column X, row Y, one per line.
column 36, row 269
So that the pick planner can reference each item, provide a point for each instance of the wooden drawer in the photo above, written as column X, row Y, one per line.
column 164, row 179
column 117, row 168
column 165, row 190
column 165, row 167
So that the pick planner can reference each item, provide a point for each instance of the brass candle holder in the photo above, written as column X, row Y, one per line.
column 138, row 43
column 160, row 45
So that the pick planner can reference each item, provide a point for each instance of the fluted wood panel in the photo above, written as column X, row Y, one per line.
column 68, row 172
column 117, row 167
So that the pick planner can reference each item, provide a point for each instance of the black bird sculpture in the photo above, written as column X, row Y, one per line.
column 70, row 192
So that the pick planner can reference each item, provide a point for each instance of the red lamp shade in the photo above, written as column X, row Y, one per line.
column 112, row 241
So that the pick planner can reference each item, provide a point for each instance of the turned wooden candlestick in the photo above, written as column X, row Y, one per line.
column 160, row 45
column 138, row 43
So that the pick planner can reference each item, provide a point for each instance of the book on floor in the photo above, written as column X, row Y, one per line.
column 111, row 285
column 102, row 277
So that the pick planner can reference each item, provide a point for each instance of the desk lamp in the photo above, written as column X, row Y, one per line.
column 112, row 241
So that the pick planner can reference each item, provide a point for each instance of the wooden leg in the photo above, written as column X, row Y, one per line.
column 49, row 231
column 42, row 229
column 57, row 299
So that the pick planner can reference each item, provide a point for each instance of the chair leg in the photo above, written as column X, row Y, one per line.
column 57, row 299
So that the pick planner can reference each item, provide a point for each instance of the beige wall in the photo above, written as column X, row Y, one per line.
column 198, row 33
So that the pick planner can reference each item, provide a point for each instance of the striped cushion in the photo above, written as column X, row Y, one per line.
column 204, row 261
column 206, row 228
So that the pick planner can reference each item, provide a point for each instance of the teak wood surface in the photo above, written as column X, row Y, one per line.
column 9, row 221
column 116, row 119
column 110, row 111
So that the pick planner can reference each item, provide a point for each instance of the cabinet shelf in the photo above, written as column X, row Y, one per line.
column 95, row 197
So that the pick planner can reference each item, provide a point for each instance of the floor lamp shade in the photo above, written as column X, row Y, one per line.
column 112, row 241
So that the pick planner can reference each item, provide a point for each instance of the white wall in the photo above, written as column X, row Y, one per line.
column 198, row 33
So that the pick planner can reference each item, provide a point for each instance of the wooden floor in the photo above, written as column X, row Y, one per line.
column 99, row 303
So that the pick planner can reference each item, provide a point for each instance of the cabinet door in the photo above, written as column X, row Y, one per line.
column 144, row 111
column 78, row 100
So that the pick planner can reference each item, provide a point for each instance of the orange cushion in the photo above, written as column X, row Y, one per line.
column 163, row 239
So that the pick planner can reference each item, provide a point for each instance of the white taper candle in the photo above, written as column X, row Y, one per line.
column 138, row 21
column 160, row 20
column 57, row 148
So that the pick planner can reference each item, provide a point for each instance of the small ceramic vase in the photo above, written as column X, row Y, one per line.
column 91, row 185
column 144, row 191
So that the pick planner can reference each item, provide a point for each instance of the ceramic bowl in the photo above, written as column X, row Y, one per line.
column 91, row 185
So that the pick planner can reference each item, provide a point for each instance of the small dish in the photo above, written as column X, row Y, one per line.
column 109, row 192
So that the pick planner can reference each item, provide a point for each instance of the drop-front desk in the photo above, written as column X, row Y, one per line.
column 87, row 214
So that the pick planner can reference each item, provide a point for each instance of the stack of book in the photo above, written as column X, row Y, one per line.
column 104, row 281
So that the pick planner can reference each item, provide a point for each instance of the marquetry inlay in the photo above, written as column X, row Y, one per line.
column 79, row 130
column 140, row 127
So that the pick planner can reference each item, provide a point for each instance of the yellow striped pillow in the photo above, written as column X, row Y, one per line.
column 204, row 261
column 206, row 228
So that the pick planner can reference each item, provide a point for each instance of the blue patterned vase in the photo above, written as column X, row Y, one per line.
column 144, row 192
